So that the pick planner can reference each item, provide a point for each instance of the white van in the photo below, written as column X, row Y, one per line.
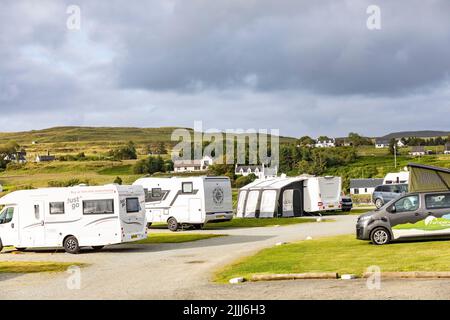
column 322, row 194
column 191, row 201
column 72, row 217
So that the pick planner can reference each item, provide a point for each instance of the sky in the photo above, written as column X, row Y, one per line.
column 303, row 67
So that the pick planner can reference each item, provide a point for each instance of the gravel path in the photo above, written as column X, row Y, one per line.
column 183, row 271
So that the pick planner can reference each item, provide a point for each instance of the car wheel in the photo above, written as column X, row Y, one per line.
column 71, row 245
column 379, row 203
column 380, row 236
column 149, row 225
column 172, row 224
column 97, row 248
column 1, row 245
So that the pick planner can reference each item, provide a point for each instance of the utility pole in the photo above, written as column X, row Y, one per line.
column 395, row 155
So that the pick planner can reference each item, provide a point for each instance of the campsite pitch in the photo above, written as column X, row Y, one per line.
column 341, row 254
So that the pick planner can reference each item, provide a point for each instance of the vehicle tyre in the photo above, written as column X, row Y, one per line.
column 380, row 236
column 379, row 203
column 149, row 225
column 172, row 224
column 97, row 248
column 1, row 245
column 198, row 226
column 71, row 245
column 21, row 249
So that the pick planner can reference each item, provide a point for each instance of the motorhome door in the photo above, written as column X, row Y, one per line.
column 9, row 227
column 195, row 211
column 33, row 228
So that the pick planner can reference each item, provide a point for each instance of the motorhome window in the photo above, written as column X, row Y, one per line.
column 98, row 206
column 187, row 187
column 133, row 205
column 407, row 204
column 156, row 193
column 56, row 207
column 438, row 201
column 37, row 214
column 6, row 215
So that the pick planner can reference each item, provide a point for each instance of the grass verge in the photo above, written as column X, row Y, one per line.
column 248, row 223
column 341, row 254
column 176, row 237
column 34, row 266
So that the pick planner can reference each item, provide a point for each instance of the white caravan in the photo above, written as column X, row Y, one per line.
column 73, row 217
column 322, row 194
column 190, row 201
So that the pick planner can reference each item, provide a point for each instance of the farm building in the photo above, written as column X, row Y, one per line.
column 364, row 186
column 193, row 165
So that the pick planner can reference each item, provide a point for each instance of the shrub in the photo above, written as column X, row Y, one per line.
column 244, row 180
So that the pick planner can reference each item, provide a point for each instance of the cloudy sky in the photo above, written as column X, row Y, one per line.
column 304, row 67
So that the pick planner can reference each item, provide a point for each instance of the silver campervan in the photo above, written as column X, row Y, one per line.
column 425, row 212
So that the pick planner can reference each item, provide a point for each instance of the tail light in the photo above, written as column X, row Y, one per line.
column 320, row 204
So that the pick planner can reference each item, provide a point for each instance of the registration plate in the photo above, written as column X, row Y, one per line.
column 331, row 206
column 220, row 217
column 134, row 236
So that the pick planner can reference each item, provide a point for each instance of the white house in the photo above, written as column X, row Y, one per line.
column 384, row 143
column 261, row 171
column 18, row 157
column 447, row 148
column 45, row 158
column 418, row 151
column 193, row 165
column 331, row 143
column 364, row 186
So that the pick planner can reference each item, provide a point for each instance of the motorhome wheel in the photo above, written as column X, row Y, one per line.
column 172, row 224
column 380, row 236
column 378, row 203
column 71, row 245
column 21, row 249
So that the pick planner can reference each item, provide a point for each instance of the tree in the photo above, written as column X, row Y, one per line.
column 150, row 165
column 244, row 180
column 161, row 148
column 127, row 152
column 306, row 141
column 357, row 140
column 393, row 147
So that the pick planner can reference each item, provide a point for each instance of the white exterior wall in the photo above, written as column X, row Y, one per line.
column 364, row 191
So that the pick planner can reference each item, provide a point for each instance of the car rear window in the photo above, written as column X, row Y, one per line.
column 438, row 201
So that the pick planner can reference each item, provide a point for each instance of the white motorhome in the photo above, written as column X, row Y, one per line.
column 191, row 201
column 322, row 194
column 72, row 217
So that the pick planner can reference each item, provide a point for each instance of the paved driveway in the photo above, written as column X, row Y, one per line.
column 183, row 271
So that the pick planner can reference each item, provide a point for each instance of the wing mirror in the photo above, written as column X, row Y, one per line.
column 393, row 209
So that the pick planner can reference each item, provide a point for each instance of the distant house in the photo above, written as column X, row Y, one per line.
column 418, row 151
column 193, row 165
column 19, row 157
column 447, row 148
column 331, row 143
column 261, row 171
column 364, row 186
column 400, row 144
column 45, row 158
column 382, row 143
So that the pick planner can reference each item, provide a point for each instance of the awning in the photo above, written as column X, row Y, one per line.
column 425, row 178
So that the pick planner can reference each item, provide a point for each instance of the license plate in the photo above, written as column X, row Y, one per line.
column 134, row 236
column 220, row 217
column 331, row 206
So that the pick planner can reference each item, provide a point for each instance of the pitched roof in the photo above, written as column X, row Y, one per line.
column 447, row 146
column 365, row 183
column 186, row 163
column 382, row 141
column 418, row 149
column 245, row 168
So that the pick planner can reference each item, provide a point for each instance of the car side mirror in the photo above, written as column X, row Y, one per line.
column 393, row 209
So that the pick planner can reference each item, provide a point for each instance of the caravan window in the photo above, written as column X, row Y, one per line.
column 6, row 215
column 156, row 193
column 37, row 214
column 56, row 207
column 187, row 187
column 252, row 202
column 98, row 206
column 133, row 205
column 268, row 201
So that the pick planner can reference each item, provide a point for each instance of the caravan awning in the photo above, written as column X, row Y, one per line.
column 428, row 178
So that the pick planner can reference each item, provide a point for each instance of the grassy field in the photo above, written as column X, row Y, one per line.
column 342, row 254
column 34, row 266
column 176, row 237
column 247, row 223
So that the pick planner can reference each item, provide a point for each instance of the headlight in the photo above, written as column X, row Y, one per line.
column 364, row 219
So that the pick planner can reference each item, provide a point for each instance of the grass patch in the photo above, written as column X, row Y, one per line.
column 176, row 237
column 34, row 266
column 342, row 254
column 357, row 212
column 248, row 223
